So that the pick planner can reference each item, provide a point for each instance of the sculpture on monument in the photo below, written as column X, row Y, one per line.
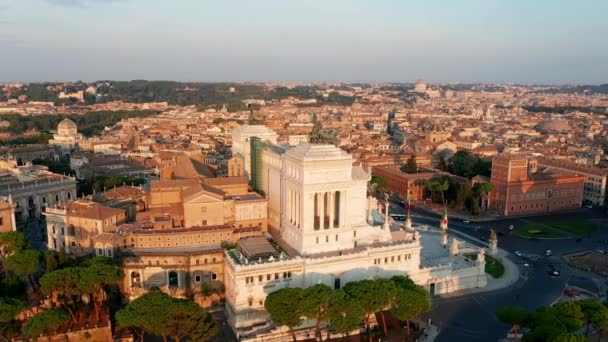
column 320, row 135
column 481, row 256
column 386, row 207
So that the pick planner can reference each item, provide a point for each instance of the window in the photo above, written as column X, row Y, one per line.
column 260, row 278
column 204, row 222
column 268, row 277
column 99, row 251
column 197, row 278
column 173, row 280
column 73, row 243
column 276, row 276
column 317, row 239
column 203, row 209
column 336, row 237
column 326, row 238
column 213, row 276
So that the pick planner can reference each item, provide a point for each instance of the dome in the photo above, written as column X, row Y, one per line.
column 420, row 85
column 67, row 127
column 554, row 125
column 66, row 124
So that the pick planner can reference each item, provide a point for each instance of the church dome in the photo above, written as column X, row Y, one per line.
column 67, row 124
column 420, row 85
column 554, row 125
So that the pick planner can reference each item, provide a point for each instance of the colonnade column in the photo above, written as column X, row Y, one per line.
column 342, row 209
column 331, row 204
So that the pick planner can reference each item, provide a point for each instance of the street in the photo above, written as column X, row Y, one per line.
column 472, row 317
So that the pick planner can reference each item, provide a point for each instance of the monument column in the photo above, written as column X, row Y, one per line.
column 321, row 210
column 318, row 211
column 299, row 209
column 342, row 205
column 332, row 207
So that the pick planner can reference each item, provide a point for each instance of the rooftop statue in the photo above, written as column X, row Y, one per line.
column 320, row 135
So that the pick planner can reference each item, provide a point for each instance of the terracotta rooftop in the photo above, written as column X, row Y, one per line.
column 90, row 210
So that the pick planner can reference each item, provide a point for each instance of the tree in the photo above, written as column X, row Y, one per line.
column 373, row 295
column 94, row 278
column 443, row 164
column 435, row 186
column 11, row 243
column 147, row 314
column 410, row 166
column 570, row 338
column 9, row 308
column 483, row 189
column 63, row 257
column 314, row 304
column 409, row 301
column 187, row 319
column 61, row 285
column 50, row 261
column 283, row 306
column 24, row 263
column 515, row 316
column 45, row 322
column 344, row 313
column 595, row 313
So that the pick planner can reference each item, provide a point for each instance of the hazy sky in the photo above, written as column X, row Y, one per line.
column 523, row 41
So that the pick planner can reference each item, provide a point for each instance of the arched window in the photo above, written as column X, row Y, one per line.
column 135, row 279
column 173, row 280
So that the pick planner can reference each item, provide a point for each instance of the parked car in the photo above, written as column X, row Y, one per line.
column 518, row 253
column 589, row 206
column 466, row 221
column 511, row 227
column 548, row 252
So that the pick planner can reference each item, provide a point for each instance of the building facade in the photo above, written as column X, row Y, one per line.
column 520, row 189
column 596, row 179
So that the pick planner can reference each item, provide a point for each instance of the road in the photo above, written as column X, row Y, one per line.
column 472, row 318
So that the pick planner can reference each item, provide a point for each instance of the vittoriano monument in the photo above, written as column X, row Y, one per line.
column 320, row 135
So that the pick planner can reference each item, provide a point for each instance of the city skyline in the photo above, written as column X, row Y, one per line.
column 355, row 41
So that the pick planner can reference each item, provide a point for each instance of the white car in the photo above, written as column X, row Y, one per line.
column 466, row 221
column 511, row 227
column 518, row 253
column 548, row 252
column 526, row 264
column 589, row 206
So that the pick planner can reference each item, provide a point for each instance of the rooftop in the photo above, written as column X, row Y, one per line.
column 318, row 152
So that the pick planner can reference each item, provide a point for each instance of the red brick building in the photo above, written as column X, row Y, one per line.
column 404, row 185
column 520, row 188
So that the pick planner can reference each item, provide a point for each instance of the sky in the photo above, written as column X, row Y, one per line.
column 469, row 41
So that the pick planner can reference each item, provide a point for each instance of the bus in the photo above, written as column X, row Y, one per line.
column 399, row 217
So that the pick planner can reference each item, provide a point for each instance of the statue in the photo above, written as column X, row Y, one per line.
column 319, row 135
column 481, row 256
column 386, row 216
column 493, row 236
column 493, row 242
